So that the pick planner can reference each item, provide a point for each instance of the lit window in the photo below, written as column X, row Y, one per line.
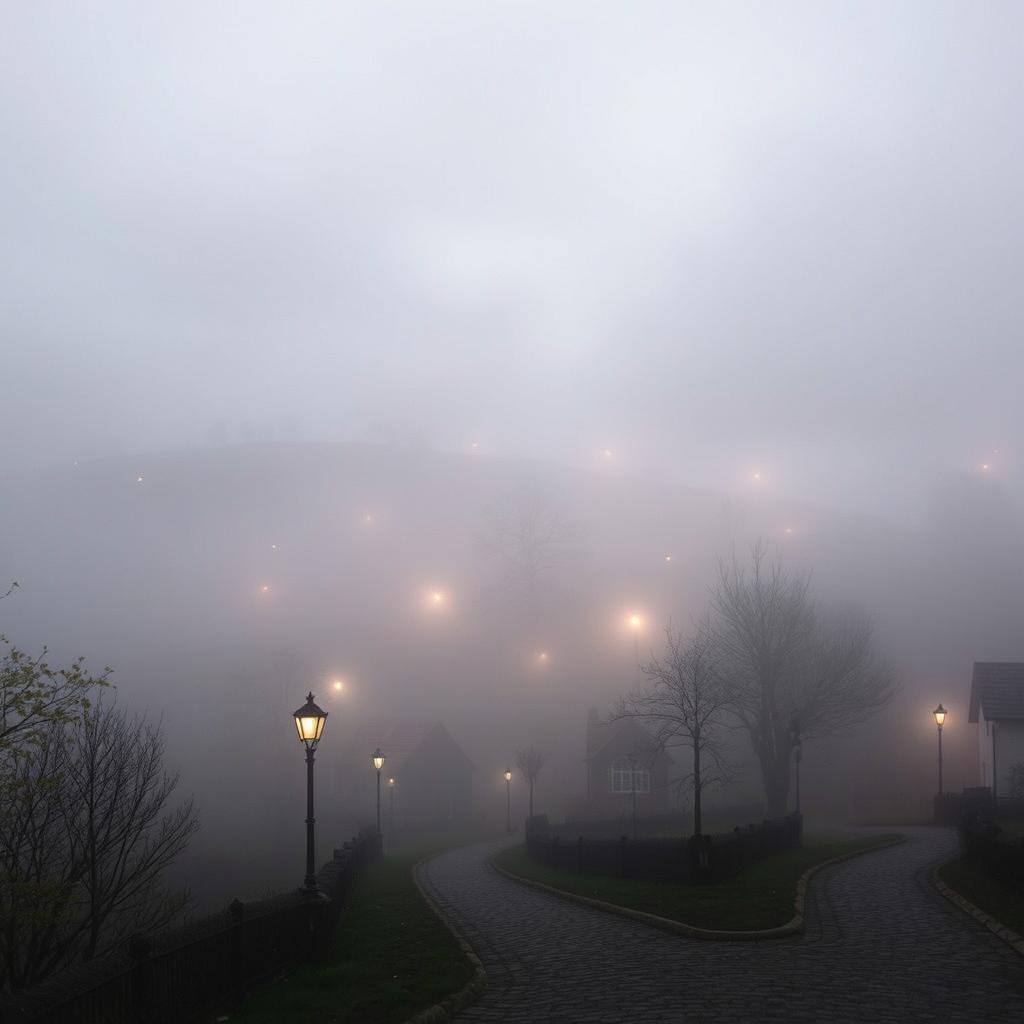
column 625, row 776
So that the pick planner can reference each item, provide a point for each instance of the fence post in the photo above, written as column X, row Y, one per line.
column 139, row 948
column 622, row 856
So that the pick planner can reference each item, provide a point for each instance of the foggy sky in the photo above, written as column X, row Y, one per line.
column 710, row 237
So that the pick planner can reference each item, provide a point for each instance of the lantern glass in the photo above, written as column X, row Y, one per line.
column 378, row 759
column 309, row 722
column 940, row 715
column 508, row 775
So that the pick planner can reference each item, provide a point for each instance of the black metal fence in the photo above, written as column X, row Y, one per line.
column 697, row 859
column 163, row 978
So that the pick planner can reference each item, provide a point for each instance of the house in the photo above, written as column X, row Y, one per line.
column 433, row 777
column 622, row 762
column 997, row 705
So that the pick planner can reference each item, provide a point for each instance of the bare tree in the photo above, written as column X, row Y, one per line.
column 531, row 539
column 792, row 670
column 529, row 760
column 685, row 703
column 86, row 831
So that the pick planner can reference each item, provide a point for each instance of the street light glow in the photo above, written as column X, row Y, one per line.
column 265, row 589
column 338, row 685
column 668, row 558
column 636, row 622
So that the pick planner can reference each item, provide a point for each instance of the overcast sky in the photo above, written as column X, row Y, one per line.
column 715, row 238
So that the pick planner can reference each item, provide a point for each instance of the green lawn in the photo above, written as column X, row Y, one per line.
column 1004, row 903
column 761, row 896
column 390, row 958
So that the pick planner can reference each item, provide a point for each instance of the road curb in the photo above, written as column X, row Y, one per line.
column 1008, row 935
column 792, row 927
column 448, row 1007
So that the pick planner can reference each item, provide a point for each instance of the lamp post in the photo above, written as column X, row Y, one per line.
column 391, row 806
column 632, row 788
column 940, row 717
column 508, row 800
column 309, row 723
column 378, row 763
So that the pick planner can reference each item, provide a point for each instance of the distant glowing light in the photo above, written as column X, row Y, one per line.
column 608, row 453
column 436, row 599
column 265, row 589
column 368, row 519
column 475, row 445
column 756, row 476
column 636, row 621
column 789, row 529
column 138, row 479
column 668, row 558
column 543, row 657
column 985, row 468
column 338, row 685
column 273, row 547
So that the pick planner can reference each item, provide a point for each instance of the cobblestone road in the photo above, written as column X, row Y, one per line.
column 880, row 945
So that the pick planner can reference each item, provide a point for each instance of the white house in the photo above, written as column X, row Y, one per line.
column 997, row 705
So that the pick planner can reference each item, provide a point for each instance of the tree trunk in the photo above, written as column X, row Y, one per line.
column 775, row 770
column 696, row 788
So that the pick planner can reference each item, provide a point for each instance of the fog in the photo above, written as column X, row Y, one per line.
column 305, row 306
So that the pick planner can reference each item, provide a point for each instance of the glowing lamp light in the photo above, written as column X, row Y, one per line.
column 635, row 621
column 339, row 685
column 378, row 759
column 543, row 657
column 475, row 445
column 265, row 589
column 984, row 466
column 608, row 453
column 508, row 775
column 138, row 479
column 391, row 781
column 309, row 722
column 668, row 558
column 756, row 476
column 940, row 715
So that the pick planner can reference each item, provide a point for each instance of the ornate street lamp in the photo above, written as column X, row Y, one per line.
column 378, row 763
column 508, row 800
column 940, row 718
column 309, row 723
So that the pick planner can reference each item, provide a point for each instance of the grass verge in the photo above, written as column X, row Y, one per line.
column 1000, row 901
column 390, row 958
column 761, row 896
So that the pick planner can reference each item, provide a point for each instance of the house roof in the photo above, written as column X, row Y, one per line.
column 600, row 735
column 998, row 687
column 400, row 739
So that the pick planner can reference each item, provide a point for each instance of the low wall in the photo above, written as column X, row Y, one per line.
column 162, row 978
column 697, row 859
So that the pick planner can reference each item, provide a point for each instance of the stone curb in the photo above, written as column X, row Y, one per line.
column 1010, row 937
column 792, row 927
column 448, row 1007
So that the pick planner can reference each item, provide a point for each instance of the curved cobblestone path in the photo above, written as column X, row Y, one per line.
column 881, row 945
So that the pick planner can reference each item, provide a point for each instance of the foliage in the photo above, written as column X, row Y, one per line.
column 86, row 832
column 686, row 703
column 793, row 670
column 34, row 694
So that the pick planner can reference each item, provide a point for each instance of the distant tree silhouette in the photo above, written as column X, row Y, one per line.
column 529, row 760
column 686, row 703
column 791, row 669
column 86, row 832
